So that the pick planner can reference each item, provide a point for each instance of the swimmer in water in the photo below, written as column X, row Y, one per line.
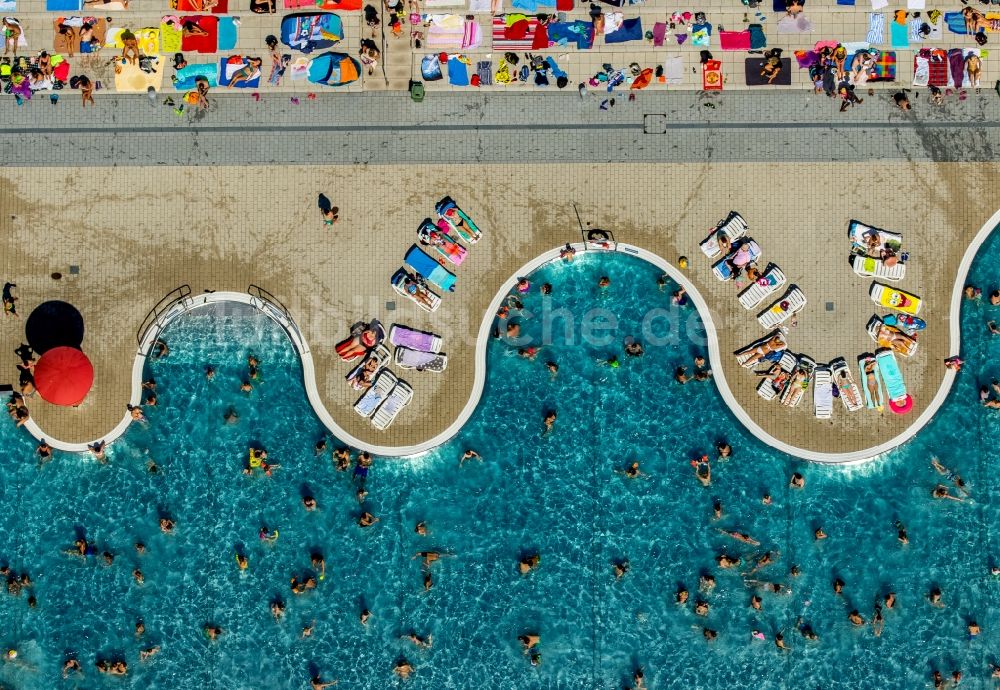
column 366, row 519
column 209, row 372
column 620, row 568
column 403, row 669
column 553, row 368
column 421, row 528
column 549, row 421
column 320, row 446
column 703, row 470
column 148, row 652
column 716, row 509
column 681, row 596
column 307, row 630
column 264, row 534
column 724, row 449
column 632, row 471
column 955, row 478
column 422, row 642
column 469, row 455
column 167, row 525
column 230, row 416
column 316, row 683
column 212, row 632
column 71, row 665
column 680, row 375
column 528, row 563
column 318, row 563
column 364, row 616
column 740, row 536
column 278, row 609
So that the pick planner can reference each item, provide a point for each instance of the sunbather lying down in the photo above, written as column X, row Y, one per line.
column 776, row 376
column 757, row 352
column 891, row 337
column 877, row 250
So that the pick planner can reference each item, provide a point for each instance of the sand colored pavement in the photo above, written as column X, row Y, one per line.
column 138, row 233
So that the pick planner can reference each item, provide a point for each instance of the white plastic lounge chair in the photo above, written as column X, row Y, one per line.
column 766, row 388
column 405, row 336
column 900, row 401
column 796, row 388
column 782, row 308
column 858, row 233
column 421, row 361
column 823, row 392
column 380, row 355
column 891, row 337
column 387, row 412
column 771, row 280
column 876, row 402
column 876, row 268
column 749, row 250
column 374, row 396
column 743, row 356
column 398, row 284
column 850, row 395
column 732, row 228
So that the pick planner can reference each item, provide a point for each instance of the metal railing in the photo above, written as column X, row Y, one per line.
column 166, row 302
column 268, row 302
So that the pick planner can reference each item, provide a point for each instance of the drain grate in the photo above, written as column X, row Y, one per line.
column 74, row 270
column 390, row 306
column 829, row 306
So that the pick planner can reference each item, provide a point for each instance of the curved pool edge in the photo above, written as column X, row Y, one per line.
column 482, row 342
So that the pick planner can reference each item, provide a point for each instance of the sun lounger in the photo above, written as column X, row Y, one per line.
column 823, row 393
column 797, row 385
column 387, row 412
column 771, row 280
column 374, row 396
column 876, row 268
column 891, row 337
column 767, row 388
column 783, row 308
column 464, row 226
column 427, row 267
column 849, row 393
column 743, row 356
column 399, row 280
column 401, row 336
column 421, row 361
column 380, row 355
column 895, row 388
column 437, row 237
column 891, row 298
column 732, row 228
column 858, row 233
column 747, row 251
column 871, row 402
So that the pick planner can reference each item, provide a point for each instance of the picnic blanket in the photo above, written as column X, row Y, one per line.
column 201, row 43
column 753, row 67
column 186, row 76
column 213, row 6
column 630, row 30
column 734, row 40
column 229, row 66
column 577, row 32
column 8, row 6
column 711, row 75
column 531, row 5
column 514, row 32
column 131, row 79
column 930, row 68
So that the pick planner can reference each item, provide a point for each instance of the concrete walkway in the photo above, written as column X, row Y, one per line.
column 388, row 128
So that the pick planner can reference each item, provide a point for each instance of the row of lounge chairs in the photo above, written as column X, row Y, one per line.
column 427, row 270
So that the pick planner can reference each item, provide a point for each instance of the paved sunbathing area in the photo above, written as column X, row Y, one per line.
column 442, row 26
column 137, row 233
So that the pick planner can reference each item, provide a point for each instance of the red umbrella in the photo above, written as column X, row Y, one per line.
column 63, row 376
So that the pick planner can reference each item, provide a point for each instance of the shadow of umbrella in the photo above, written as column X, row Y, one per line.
column 54, row 324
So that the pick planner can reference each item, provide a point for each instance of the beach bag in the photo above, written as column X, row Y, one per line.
column 416, row 91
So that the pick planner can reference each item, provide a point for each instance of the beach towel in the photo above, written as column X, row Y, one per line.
column 8, row 5
column 854, row 46
column 659, row 33
column 557, row 71
column 484, row 70
column 513, row 32
column 228, row 32
column 880, row 4
column 472, row 36
column 458, row 71
column 443, row 3
column 480, row 6
column 229, row 66
column 72, row 41
column 263, row 6
column 956, row 59
column 757, row 38
column 63, row 5
column 795, row 25
column 630, row 30
column 213, row 6
column 701, row 35
column 445, row 30
column 425, row 265
column 847, row 3
column 186, row 76
column 673, row 70
column 753, row 67
column 170, row 34
column 914, row 4
column 899, row 35
column 430, row 68
column 806, row 58
column 309, row 32
column 937, row 67
column 915, row 25
column 335, row 5
column 422, row 361
column 734, row 40
column 921, row 71
column 711, row 76
column 131, row 79
column 576, row 32
column 955, row 22
column 402, row 336
column 876, row 28
column 201, row 43
column 885, row 66
column 936, row 30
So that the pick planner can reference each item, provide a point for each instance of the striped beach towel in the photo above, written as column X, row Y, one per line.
column 510, row 34
column 472, row 36
column 876, row 28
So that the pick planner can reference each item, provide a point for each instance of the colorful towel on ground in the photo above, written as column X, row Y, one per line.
column 630, row 30
column 757, row 38
column 734, row 40
column 131, row 79
column 514, row 32
column 577, row 32
column 187, row 76
column 659, row 33
column 458, row 71
column 341, row 5
column 229, row 66
column 711, row 76
column 228, row 32
column 884, row 68
column 446, row 31
column 956, row 22
column 795, row 25
column 63, row 5
column 72, row 41
column 213, row 6
column 876, row 28
column 806, row 58
column 899, row 35
column 170, row 34
column 701, row 35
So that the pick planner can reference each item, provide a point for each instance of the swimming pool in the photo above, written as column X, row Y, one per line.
column 557, row 495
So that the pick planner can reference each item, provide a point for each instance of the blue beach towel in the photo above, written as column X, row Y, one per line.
column 757, row 38
column 955, row 22
column 458, row 74
column 876, row 28
column 630, row 30
column 63, row 5
column 429, row 268
column 186, row 76
column 899, row 35
column 556, row 71
column 227, row 33
column 846, row 2
column 579, row 32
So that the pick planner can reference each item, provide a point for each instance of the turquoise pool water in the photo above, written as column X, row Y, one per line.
column 557, row 495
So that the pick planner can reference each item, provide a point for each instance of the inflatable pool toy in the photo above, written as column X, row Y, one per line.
column 255, row 458
column 903, row 406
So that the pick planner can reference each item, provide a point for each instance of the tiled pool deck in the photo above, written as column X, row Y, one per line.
column 137, row 233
